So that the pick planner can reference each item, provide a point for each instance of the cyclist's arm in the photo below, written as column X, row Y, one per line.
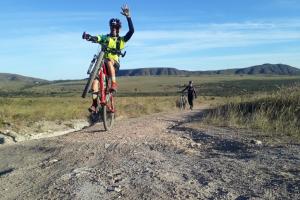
column 96, row 39
column 93, row 39
column 195, row 93
column 131, row 29
column 88, row 37
column 184, row 89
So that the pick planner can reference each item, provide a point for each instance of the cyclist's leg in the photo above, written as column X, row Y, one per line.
column 190, row 100
column 95, row 85
column 110, row 63
column 95, row 89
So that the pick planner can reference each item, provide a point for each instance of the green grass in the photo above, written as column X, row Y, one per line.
column 276, row 113
column 206, row 85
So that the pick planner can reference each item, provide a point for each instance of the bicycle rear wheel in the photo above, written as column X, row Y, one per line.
column 108, row 114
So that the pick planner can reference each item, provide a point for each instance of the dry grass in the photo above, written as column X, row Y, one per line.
column 17, row 113
column 138, row 106
column 277, row 113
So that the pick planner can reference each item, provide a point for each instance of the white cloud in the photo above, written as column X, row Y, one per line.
column 159, row 43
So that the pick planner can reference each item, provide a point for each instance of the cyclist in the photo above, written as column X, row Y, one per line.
column 191, row 93
column 114, row 44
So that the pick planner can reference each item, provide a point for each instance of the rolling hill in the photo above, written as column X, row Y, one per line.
column 265, row 69
column 14, row 85
column 13, row 82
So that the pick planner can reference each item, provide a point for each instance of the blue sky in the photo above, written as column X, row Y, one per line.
column 43, row 38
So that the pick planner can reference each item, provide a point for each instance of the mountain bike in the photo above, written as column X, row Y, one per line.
column 182, row 102
column 105, row 97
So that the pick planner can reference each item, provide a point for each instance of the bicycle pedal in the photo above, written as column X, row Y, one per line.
column 113, row 92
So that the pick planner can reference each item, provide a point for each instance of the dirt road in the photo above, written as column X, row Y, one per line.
column 161, row 156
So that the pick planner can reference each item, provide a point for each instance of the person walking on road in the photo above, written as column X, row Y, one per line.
column 191, row 94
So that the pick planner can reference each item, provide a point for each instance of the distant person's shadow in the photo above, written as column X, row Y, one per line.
column 219, row 145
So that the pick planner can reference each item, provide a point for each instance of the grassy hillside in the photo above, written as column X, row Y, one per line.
column 206, row 85
column 15, row 83
column 276, row 113
column 213, row 85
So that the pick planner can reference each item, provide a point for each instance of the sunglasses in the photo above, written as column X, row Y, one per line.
column 115, row 26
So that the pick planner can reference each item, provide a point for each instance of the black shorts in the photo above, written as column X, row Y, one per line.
column 116, row 66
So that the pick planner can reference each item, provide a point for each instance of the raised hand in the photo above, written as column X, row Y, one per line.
column 125, row 10
column 85, row 36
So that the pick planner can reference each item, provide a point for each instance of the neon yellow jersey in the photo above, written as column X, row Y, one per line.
column 111, row 43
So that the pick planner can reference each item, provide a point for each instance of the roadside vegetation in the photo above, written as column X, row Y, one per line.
column 276, row 113
column 16, row 113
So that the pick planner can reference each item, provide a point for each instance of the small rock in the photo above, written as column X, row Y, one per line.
column 110, row 189
column 256, row 142
column 106, row 146
column 194, row 145
column 114, row 188
column 118, row 189
column 53, row 161
column 116, row 180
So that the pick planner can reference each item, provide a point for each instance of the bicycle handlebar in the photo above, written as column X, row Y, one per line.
column 87, row 36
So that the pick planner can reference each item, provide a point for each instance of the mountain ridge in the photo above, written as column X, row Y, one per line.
column 264, row 69
column 267, row 69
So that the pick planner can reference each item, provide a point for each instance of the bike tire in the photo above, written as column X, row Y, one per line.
column 93, row 74
column 108, row 116
column 181, row 103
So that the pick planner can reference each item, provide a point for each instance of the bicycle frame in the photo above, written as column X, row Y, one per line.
column 104, row 89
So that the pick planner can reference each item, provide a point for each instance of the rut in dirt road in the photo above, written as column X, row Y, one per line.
column 162, row 156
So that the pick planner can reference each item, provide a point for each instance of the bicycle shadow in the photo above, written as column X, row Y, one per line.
column 96, row 128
